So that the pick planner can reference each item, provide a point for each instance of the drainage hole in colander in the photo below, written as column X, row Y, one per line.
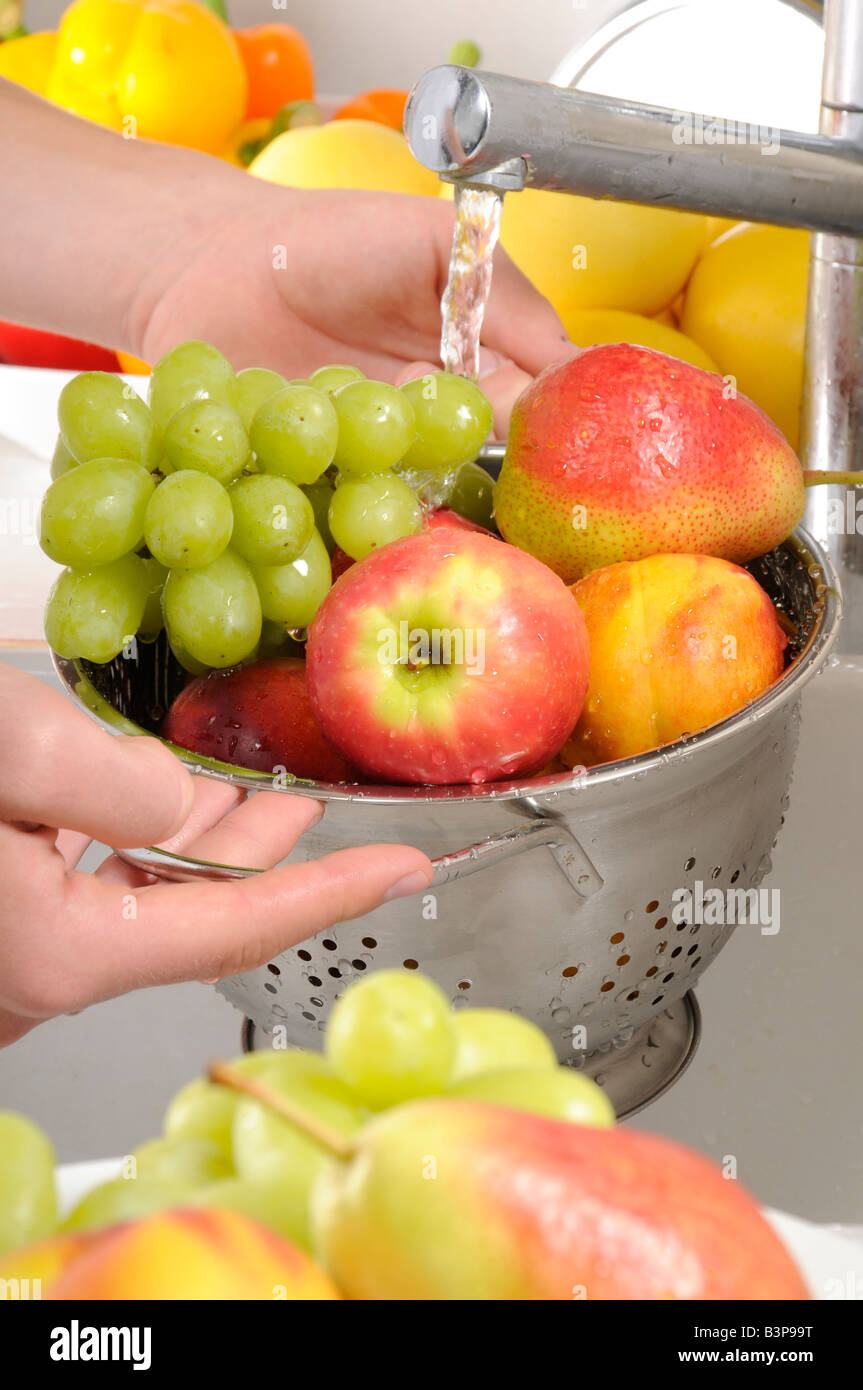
column 690, row 864
column 658, row 1000
column 270, row 988
column 318, row 1003
column 660, row 923
column 370, row 942
column 329, row 945
column 654, row 969
column 314, row 980
column 617, row 938
column 336, row 974
column 695, row 962
column 735, row 876
column 274, row 970
column 694, row 930
column 652, row 905
column 358, row 964
column 304, row 955
column 609, row 984
column 714, row 873
column 309, row 1016
column 464, row 984
column 633, row 994
column 662, row 948
column 569, row 971
column 676, row 952
column 623, row 960
column 692, row 950
column 411, row 964
column 669, row 976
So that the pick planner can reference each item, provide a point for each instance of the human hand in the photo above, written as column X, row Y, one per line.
column 69, row 939
column 294, row 280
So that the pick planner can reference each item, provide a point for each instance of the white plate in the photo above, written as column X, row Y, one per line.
column 28, row 431
column 831, row 1261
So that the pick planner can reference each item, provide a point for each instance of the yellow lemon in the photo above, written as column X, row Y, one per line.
column 344, row 154
column 715, row 226
column 588, row 326
column 746, row 306
column 27, row 60
column 586, row 253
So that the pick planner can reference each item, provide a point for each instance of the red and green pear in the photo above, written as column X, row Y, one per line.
column 462, row 1201
column 622, row 452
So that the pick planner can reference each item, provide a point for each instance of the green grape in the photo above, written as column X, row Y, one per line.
column 294, row 433
column 61, row 460
column 556, row 1092
column 453, row 421
column 151, row 622
column 251, row 387
column 214, row 612
column 376, row 426
column 188, row 663
column 126, row 1199
column 280, row 1203
column 329, row 379
column 202, row 1110
column 489, row 1039
column 96, row 613
column 465, row 53
column 273, row 519
column 101, row 417
column 292, row 594
column 320, row 494
column 391, row 1038
column 189, row 520
column 28, row 1202
column 188, row 1160
column 95, row 513
column 268, row 1148
column 189, row 372
column 472, row 495
column 207, row 436
column 369, row 512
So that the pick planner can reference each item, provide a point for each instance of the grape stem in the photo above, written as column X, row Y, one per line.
column 813, row 476
column 223, row 1074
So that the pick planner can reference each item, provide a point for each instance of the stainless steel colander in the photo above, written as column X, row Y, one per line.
column 553, row 897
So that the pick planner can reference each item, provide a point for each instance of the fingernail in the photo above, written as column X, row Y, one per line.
column 411, row 883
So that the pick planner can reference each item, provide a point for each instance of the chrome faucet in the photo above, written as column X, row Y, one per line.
column 493, row 131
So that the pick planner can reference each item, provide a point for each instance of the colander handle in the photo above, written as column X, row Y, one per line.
column 567, row 852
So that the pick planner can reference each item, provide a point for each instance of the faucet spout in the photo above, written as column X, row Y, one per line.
column 494, row 131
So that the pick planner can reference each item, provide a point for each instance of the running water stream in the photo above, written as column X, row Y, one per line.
column 477, row 227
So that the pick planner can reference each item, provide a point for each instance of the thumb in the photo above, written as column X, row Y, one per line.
column 59, row 768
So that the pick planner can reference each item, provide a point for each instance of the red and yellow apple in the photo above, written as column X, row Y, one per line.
column 677, row 642
column 192, row 1254
column 622, row 452
column 447, row 657
column 256, row 716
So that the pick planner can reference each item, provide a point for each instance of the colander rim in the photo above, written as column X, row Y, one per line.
column 792, row 680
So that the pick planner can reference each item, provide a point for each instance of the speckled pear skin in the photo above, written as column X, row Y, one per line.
column 457, row 1200
column 622, row 452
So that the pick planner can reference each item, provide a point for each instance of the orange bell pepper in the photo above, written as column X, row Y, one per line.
column 386, row 105
column 278, row 65
column 156, row 69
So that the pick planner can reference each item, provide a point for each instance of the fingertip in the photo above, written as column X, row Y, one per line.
column 163, row 785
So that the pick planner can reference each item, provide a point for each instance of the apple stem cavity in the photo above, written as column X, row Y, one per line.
column 223, row 1074
column 813, row 476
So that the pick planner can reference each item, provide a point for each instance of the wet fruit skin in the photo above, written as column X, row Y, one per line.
column 677, row 643
column 623, row 452
column 256, row 716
